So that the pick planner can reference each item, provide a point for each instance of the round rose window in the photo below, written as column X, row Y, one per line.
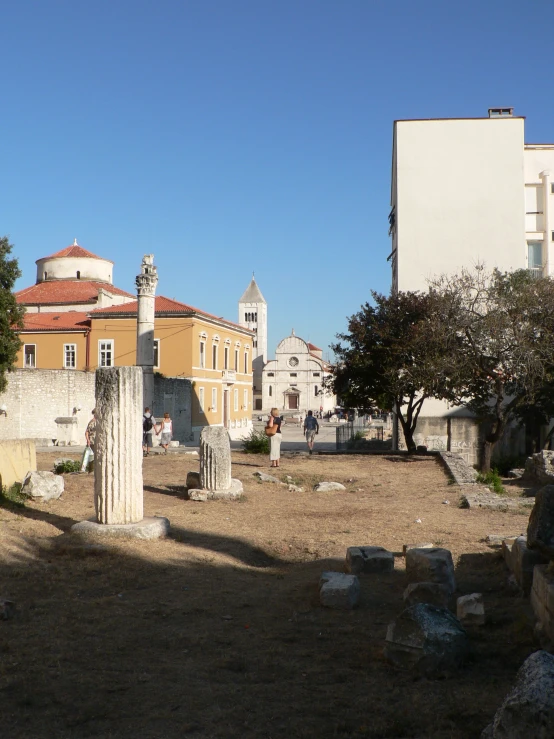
column 293, row 362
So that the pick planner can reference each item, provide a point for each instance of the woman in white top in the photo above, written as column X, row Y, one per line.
column 166, row 427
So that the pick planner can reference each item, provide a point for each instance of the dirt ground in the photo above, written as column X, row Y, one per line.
column 217, row 631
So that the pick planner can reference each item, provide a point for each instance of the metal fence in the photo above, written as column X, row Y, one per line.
column 347, row 433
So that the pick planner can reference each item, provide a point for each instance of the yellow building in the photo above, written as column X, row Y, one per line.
column 211, row 352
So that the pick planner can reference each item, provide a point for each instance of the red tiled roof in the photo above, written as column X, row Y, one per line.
column 163, row 306
column 75, row 251
column 65, row 321
column 313, row 347
column 58, row 292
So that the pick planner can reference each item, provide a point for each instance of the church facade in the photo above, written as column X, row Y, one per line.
column 294, row 382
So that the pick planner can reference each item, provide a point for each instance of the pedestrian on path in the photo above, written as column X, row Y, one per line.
column 148, row 428
column 311, row 428
column 275, row 440
column 166, row 427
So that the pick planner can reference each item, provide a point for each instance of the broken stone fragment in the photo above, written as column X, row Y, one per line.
column 426, row 592
column 263, row 477
column 328, row 487
column 540, row 531
column 338, row 590
column 369, row 559
column 42, row 485
column 470, row 609
column 427, row 639
column 431, row 565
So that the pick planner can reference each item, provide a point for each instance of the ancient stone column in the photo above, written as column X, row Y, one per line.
column 146, row 310
column 215, row 458
column 118, row 492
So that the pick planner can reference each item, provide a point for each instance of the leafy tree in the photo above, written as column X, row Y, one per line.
column 502, row 351
column 11, row 314
column 394, row 355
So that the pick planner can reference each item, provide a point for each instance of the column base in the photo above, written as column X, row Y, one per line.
column 232, row 493
column 155, row 527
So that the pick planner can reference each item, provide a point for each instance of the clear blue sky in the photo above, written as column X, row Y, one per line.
column 227, row 136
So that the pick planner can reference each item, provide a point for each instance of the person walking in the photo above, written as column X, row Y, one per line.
column 311, row 428
column 148, row 428
column 275, row 440
column 166, row 427
column 90, row 437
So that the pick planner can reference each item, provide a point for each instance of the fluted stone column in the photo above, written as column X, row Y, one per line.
column 215, row 467
column 118, row 491
column 146, row 284
column 215, row 458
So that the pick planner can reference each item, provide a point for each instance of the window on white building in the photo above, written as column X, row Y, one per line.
column 236, row 399
column 534, row 258
column 271, row 374
column 316, row 390
column 201, row 399
column 30, row 355
column 245, row 404
column 70, row 356
column 317, row 374
column 105, row 353
column 157, row 353
column 202, row 354
column 270, row 390
column 214, row 399
column 293, row 374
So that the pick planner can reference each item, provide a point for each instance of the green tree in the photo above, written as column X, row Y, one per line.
column 11, row 314
column 394, row 356
column 502, row 352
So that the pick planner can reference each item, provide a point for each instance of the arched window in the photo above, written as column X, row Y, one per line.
column 315, row 389
column 255, row 316
column 246, row 316
column 45, row 275
column 270, row 390
column 78, row 275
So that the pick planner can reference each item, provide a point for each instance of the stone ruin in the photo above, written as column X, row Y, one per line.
column 539, row 468
column 214, row 482
column 118, row 485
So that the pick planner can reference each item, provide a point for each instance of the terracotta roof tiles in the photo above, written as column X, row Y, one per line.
column 58, row 292
column 64, row 321
column 75, row 251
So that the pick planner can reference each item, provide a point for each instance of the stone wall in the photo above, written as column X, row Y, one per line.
column 462, row 435
column 35, row 399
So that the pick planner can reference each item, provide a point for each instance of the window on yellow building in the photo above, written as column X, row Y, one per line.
column 245, row 400
column 245, row 363
column 236, row 399
column 202, row 354
column 30, row 355
column 69, row 356
column 105, row 353
column 236, row 360
column 214, row 356
column 226, row 358
column 214, row 399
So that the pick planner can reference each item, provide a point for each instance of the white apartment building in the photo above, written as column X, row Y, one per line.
column 468, row 190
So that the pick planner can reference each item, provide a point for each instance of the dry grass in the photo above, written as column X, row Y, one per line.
column 217, row 631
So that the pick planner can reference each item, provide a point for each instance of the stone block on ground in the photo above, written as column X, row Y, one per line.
column 539, row 468
column 338, row 590
column 215, row 458
column 264, row 477
column 470, row 609
column 42, row 485
column 488, row 500
column 528, row 710
column 540, row 530
column 542, row 600
column 427, row 639
column 7, row 609
column 193, row 480
column 426, row 592
column 431, row 565
column 425, row 545
column 523, row 562
column 462, row 472
column 369, row 559
column 495, row 540
column 295, row 488
column 328, row 487
column 234, row 492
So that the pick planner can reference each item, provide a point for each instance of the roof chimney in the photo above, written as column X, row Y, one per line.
column 501, row 112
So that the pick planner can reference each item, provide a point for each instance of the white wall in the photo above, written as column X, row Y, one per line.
column 66, row 268
column 459, row 188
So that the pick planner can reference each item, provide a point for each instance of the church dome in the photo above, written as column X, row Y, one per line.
column 74, row 263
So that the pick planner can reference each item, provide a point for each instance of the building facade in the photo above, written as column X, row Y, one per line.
column 465, row 191
column 294, row 381
column 214, row 354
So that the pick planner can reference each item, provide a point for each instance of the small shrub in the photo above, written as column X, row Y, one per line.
column 256, row 443
column 492, row 479
column 68, row 465
column 12, row 496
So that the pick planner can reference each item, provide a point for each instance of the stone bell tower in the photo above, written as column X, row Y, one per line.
column 146, row 283
column 253, row 316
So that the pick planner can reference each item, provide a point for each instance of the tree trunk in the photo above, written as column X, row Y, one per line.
column 486, row 456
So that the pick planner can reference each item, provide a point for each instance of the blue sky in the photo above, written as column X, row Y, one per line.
column 231, row 136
